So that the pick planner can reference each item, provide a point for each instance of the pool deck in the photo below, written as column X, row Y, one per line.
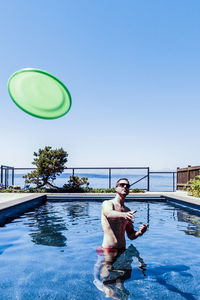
column 15, row 204
column 9, row 200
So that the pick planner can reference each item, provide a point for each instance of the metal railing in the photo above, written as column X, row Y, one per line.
column 173, row 178
column 147, row 176
column 5, row 175
column 117, row 168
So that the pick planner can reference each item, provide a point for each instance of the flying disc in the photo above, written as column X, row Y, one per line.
column 39, row 93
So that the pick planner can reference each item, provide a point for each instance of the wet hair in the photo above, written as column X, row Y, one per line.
column 120, row 180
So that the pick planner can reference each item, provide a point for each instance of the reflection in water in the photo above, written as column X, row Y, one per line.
column 77, row 210
column 193, row 222
column 113, row 268
column 48, row 225
column 47, row 229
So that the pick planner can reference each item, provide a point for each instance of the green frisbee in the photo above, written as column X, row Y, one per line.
column 39, row 93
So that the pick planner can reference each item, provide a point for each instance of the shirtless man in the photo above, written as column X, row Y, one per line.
column 117, row 218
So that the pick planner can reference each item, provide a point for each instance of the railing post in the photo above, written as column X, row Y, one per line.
column 148, row 179
column 1, row 175
column 6, row 178
column 109, row 177
column 13, row 177
column 73, row 172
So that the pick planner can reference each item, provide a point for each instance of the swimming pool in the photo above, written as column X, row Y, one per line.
column 50, row 253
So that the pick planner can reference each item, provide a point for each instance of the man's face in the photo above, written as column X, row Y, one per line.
column 122, row 187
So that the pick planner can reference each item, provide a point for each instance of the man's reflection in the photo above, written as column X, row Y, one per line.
column 112, row 268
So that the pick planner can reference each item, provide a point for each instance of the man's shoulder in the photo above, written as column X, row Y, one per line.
column 107, row 202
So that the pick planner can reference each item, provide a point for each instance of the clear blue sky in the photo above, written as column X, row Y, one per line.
column 132, row 68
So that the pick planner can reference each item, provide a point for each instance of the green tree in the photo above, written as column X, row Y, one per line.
column 49, row 163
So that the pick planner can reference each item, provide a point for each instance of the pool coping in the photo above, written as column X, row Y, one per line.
column 13, row 204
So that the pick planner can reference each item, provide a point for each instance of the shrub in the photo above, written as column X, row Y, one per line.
column 75, row 185
column 30, row 190
column 136, row 190
column 194, row 188
column 14, row 187
column 98, row 190
column 112, row 190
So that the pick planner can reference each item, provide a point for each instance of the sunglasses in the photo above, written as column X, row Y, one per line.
column 124, row 185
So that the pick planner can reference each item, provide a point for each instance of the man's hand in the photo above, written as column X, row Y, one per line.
column 129, row 215
column 142, row 229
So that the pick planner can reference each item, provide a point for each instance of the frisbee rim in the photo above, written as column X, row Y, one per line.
column 45, row 73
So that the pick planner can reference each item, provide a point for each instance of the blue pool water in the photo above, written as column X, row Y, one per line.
column 50, row 253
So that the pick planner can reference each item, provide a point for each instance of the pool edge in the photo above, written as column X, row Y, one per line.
column 12, row 208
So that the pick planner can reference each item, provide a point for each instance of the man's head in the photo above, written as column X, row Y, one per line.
column 122, row 186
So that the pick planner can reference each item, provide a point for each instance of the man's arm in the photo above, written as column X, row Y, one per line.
column 109, row 212
column 132, row 234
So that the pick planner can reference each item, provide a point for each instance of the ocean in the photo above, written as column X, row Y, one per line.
column 157, row 182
